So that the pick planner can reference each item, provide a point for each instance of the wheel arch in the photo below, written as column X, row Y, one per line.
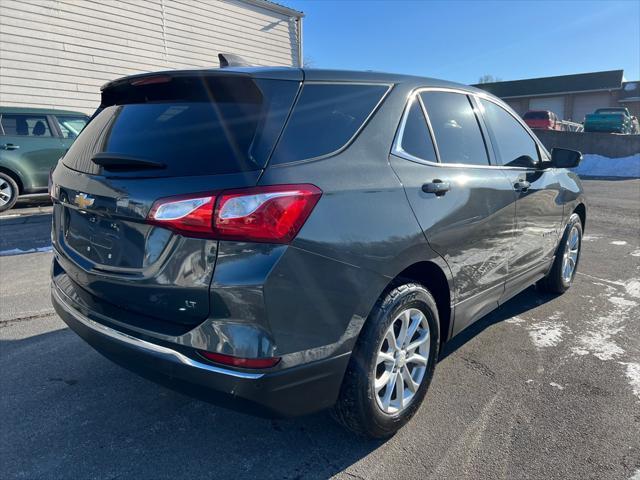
column 581, row 210
column 15, row 176
column 436, row 278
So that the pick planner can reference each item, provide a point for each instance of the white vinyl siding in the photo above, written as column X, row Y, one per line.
column 57, row 53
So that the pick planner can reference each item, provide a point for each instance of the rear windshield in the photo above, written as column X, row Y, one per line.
column 203, row 126
column 536, row 116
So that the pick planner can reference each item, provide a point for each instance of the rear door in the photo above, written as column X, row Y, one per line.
column 465, row 207
column 155, row 138
column 539, row 203
column 29, row 142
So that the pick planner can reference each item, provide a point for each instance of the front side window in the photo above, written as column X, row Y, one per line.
column 416, row 140
column 510, row 140
column 325, row 118
column 25, row 125
column 71, row 126
column 456, row 128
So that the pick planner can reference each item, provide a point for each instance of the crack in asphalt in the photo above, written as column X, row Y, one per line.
column 35, row 316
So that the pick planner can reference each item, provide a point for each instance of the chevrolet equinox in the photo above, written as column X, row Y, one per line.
column 285, row 240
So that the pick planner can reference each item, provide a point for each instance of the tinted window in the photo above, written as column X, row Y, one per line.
column 229, row 127
column 325, row 118
column 416, row 140
column 25, row 125
column 510, row 140
column 71, row 126
column 456, row 128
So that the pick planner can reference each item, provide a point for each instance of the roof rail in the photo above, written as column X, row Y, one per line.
column 232, row 60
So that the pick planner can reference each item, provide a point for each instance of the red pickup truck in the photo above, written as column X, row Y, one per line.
column 543, row 119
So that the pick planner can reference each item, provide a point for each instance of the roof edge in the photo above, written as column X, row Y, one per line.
column 276, row 7
column 618, row 70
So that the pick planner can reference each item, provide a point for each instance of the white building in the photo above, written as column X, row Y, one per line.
column 57, row 53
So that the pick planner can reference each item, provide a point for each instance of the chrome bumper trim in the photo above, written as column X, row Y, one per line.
column 151, row 348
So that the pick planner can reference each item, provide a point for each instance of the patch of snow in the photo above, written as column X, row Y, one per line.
column 618, row 242
column 590, row 238
column 599, row 166
column 622, row 302
column 635, row 253
column 633, row 374
column 557, row 385
column 636, row 476
column 599, row 340
column 19, row 251
column 547, row 333
column 515, row 320
column 600, row 344
column 579, row 351
column 633, row 287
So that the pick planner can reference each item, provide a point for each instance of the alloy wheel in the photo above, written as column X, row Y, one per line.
column 570, row 258
column 6, row 192
column 402, row 360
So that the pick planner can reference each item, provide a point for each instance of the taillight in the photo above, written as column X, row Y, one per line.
column 239, row 361
column 136, row 82
column 265, row 214
column 271, row 214
column 190, row 215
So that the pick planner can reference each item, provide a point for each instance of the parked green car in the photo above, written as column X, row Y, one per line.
column 610, row 120
column 31, row 142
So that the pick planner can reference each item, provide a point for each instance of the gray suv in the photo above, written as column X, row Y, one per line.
column 285, row 240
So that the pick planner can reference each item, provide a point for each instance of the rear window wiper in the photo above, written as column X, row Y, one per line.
column 116, row 161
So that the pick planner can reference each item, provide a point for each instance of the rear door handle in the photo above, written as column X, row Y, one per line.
column 438, row 187
column 10, row 146
column 522, row 185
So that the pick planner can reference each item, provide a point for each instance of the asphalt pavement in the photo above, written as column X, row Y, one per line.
column 546, row 387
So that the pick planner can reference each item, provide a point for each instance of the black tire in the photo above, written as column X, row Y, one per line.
column 555, row 282
column 357, row 408
column 7, row 181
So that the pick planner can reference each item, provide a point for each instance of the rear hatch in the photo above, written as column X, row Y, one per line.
column 153, row 137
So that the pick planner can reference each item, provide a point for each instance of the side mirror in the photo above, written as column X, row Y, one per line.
column 565, row 158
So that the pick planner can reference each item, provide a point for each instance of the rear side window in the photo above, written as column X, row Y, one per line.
column 325, row 118
column 416, row 140
column 25, row 125
column 71, row 126
column 200, row 126
column 456, row 128
column 509, row 138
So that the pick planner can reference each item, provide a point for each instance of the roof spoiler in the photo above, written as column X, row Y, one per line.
column 232, row 60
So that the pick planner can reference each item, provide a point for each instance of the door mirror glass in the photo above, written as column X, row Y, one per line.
column 565, row 158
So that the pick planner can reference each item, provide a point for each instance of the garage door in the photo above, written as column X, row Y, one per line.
column 555, row 104
column 587, row 103
column 518, row 106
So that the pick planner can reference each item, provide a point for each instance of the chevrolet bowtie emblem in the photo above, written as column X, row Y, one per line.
column 83, row 200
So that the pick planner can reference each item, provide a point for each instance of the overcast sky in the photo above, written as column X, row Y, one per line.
column 463, row 40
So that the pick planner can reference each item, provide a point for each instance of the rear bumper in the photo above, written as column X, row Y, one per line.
column 291, row 392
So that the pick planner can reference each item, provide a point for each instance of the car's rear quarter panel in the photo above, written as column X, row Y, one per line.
column 361, row 234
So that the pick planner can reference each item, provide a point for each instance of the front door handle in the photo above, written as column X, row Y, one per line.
column 10, row 146
column 438, row 187
column 522, row 185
